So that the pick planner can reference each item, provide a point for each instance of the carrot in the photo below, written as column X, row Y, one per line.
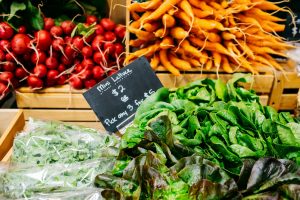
column 167, row 43
column 172, row 11
column 195, row 3
column 208, row 64
column 204, row 6
column 246, row 49
column 274, row 63
column 134, row 15
column 217, row 59
column 143, row 35
column 264, row 50
column 224, row 4
column 178, row 33
column 225, row 65
column 142, row 7
column 228, row 36
column 154, row 61
column 192, row 61
column 137, row 43
column 151, row 26
column 267, row 5
column 258, row 13
column 160, row 33
column 201, row 13
column 266, row 43
column 187, row 8
column 168, row 21
column 161, row 10
column 161, row 68
column 148, row 51
column 215, row 5
column 165, row 62
column 208, row 24
column 246, row 65
column 203, row 59
column 184, row 17
column 213, row 37
column 190, row 49
column 179, row 63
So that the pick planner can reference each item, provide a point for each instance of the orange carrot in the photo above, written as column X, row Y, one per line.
column 178, row 33
column 151, row 26
column 134, row 15
column 258, row 13
column 167, row 43
column 208, row 64
column 225, row 65
column 187, row 8
column 160, row 33
column 154, row 61
column 203, row 59
column 208, row 24
column 195, row 3
column 217, row 59
column 148, row 51
column 179, row 63
column 201, row 13
column 137, row 43
column 142, row 7
column 168, row 21
column 190, row 49
column 143, row 35
column 165, row 62
column 246, row 65
column 264, row 50
column 192, row 61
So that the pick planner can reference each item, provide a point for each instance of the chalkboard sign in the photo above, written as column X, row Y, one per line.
column 292, row 32
column 116, row 98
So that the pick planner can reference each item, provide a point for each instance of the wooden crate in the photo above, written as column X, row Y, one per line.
column 11, row 122
column 286, row 88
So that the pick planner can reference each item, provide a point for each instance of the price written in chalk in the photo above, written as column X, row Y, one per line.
column 116, row 98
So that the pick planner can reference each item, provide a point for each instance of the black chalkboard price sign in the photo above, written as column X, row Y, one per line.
column 116, row 98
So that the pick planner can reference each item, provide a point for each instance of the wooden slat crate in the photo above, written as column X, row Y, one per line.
column 286, row 88
column 11, row 122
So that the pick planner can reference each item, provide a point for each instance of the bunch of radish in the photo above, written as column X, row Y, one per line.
column 55, row 55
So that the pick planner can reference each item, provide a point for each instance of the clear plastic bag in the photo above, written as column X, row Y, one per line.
column 45, row 142
column 30, row 181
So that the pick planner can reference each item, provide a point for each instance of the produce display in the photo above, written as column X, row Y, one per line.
column 54, row 159
column 178, row 35
column 207, row 140
column 56, row 52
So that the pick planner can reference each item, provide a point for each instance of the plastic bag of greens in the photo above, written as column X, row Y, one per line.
column 45, row 142
column 29, row 181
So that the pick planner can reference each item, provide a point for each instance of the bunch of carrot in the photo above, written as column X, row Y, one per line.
column 179, row 35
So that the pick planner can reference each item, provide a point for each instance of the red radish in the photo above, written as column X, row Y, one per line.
column 90, row 19
column 27, row 57
column 61, row 80
column 3, row 90
column 98, row 72
column 61, row 68
column 6, row 31
column 9, row 66
column 109, row 47
column 51, row 62
column 99, row 29
column 52, row 74
column 2, row 56
column 68, row 40
column 40, row 70
column 22, row 29
column 10, row 56
column 97, row 42
column 77, row 61
column 34, row 82
column 20, row 43
column 90, row 38
column 67, row 27
column 75, row 82
column 56, row 31
column 38, row 58
column 78, row 42
column 87, row 52
column 6, row 77
column 100, row 58
column 120, row 31
column 107, row 24
column 66, row 61
column 55, row 54
column 20, row 73
column 87, row 63
column 89, row 83
column 118, row 49
column 111, row 72
column 70, row 52
column 43, row 39
column 50, row 82
column 57, row 44
column 4, row 45
column 48, row 23
column 109, row 36
column 78, row 68
column 86, row 74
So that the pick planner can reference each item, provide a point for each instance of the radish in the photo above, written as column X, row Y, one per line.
column 109, row 47
column 99, row 29
column 6, row 31
column 68, row 40
column 40, row 71
column 58, row 44
column 38, row 58
column 51, row 62
column 22, row 29
column 9, row 66
column 61, row 68
column 97, row 42
column 43, row 39
column 52, row 74
column 9, row 56
column 50, row 82
column 90, row 38
column 75, row 82
column 61, row 80
column 70, row 52
column 78, row 42
column 20, row 73
column 98, row 73
column 78, row 68
column 111, row 72
column 110, row 36
column 90, row 19
column 2, row 56
column 118, row 49
column 66, row 61
column 48, row 23
column 3, row 90
column 100, row 58
column 107, row 24
column 27, row 57
column 56, row 31
column 4, row 45
column 87, row 63
column 67, row 27
column 34, row 82
column 87, row 52
column 120, row 31
column 20, row 44
column 89, row 83
column 86, row 74
column 6, row 77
